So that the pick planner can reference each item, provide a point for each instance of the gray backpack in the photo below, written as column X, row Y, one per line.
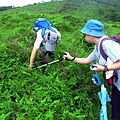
column 51, row 37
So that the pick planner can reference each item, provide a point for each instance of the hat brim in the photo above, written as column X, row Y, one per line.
column 49, row 47
column 92, row 32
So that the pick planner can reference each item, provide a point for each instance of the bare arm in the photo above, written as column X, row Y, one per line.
column 82, row 60
column 114, row 66
column 33, row 55
column 77, row 60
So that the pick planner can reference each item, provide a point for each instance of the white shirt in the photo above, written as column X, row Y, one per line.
column 39, row 38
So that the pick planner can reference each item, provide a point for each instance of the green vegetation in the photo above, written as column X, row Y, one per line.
column 65, row 90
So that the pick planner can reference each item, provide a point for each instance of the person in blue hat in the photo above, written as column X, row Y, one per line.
column 93, row 33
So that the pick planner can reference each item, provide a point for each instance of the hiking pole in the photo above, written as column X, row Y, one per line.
column 49, row 63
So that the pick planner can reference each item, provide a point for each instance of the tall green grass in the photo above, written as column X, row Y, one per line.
column 65, row 90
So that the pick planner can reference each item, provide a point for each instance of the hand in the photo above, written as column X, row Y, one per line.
column 67, row 56
column 30, row 67
column 97, row 68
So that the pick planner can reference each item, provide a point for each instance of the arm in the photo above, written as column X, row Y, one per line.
column 114, row 66
column 36, row 47
column 33, row 55
column 77, row 60
column 82, row 60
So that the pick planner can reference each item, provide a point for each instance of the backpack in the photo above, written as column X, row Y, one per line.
column 43, row 24
column 114, row 38
column 114, row 77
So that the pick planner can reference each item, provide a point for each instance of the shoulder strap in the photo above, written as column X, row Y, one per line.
column 43, row 33
column 101, row 48
column 117, row 37
column 114, row 38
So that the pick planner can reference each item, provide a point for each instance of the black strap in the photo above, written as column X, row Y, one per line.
column 104, row 77
column 73, row 59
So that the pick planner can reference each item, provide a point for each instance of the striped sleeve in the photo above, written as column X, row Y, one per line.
column 92, row 56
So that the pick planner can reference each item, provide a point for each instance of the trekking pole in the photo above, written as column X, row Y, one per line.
column 49, row 63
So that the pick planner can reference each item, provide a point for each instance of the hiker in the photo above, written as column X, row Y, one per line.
column 93, row 33
column 45, row 43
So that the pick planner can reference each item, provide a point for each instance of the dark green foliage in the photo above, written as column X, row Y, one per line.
column 65, row 90
column 5, row 8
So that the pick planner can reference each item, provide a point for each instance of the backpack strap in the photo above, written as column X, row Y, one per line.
column 101, row 48
column 43, row 31
column 114, row 38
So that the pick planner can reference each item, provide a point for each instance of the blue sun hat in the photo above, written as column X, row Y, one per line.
column 94, row 28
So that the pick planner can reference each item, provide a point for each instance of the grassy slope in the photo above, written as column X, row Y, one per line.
column 65, row 91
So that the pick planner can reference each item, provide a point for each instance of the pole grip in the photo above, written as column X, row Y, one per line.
column 61, row 59
column 66, row 57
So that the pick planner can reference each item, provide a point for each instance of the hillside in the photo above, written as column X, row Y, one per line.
column 107, row 9
column 64, row 90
